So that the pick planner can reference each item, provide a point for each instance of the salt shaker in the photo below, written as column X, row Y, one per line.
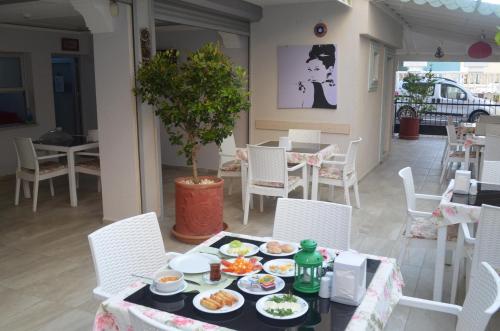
column 324, row 288
column 473, row 187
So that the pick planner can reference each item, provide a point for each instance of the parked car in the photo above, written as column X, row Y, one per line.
column 449, row 99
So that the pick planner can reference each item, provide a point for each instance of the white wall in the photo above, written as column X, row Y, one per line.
column 349, row 29
column 186, row 41
column 39, row 45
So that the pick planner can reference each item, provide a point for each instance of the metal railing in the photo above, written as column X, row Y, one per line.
column 434, row 122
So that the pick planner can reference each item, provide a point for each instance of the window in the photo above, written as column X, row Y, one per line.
column 14, row 106
column 373, row 66
column 452, row 92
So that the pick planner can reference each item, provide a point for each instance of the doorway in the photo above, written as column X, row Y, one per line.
column 386, row 106
column 66, row 89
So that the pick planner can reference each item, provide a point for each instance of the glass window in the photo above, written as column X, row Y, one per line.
column 452, row 92
column 13, row 93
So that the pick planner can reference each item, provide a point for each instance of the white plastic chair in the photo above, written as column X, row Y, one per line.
column 141, row 322
column 268, row 175
column 304, row 136
column 229, row 166
column 485, row 247
column 130, row 246
column 481, row 302
column 342, row 173
column 420, row 229
column 29, row 169
column 454, row 154
column 329, row 224
column 491, row 172
column 89, row 162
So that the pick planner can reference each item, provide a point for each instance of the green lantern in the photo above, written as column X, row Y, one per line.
column 308, row 264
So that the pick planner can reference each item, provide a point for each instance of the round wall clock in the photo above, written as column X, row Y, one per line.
column 320, row 30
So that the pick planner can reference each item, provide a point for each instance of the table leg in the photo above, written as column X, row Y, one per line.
column 467, row 158
column 314, row 188
column 439, row 267
column 72, row 179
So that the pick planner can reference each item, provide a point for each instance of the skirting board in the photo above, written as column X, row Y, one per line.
column 285, row 125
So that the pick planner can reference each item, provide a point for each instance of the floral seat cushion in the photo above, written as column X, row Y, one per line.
column 461, row 154
column 426, row 228
column 46, row 167
column 233, row 165
column 331, row 171
column 292, row 180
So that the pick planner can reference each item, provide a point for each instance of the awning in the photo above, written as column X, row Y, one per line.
column 483, row 7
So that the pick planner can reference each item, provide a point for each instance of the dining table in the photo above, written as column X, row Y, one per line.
column 384, row 285
column 78, row 144
column 455, row 208
column 312, row 154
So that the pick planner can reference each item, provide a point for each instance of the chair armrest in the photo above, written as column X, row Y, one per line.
column 227, row 155
column 51, row 156
column 430, row 305
column 88, row 154
column 298, row 166
column 334, row 162
column 337, row 155
column 417, row 213
column 468, row 238
column 428, row 197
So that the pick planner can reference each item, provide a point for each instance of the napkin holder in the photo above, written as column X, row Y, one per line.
column 285, row 142
column 349, row 279
column 462, row 182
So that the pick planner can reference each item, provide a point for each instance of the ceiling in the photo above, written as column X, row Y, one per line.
column 54, row 14
column 281, row 2
column 441, row 22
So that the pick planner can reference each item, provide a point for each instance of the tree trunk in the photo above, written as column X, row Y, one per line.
column 194, row 158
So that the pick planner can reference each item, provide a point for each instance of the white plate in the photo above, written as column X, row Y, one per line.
column 195, row 263
column 268, row 264
column 279, row 282
column 260, row 305
column 253, row 249
column 225, row 309
column 239, row 275
column 263, row 249
column 155, row 291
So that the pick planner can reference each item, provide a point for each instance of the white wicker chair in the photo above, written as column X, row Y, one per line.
column 485, row 247
column 342, row 173
column 454, row 154
column 329, row 224
column 29, row 169
column 130, row 246
column 491, row 172
column 229, row 166
column 140, row 322
column 481, row 302
column 420, row 229
column 305, row 136
column 268, row 175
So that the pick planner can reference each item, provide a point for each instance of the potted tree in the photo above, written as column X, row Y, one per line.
column 198, row 101
column 416, row 90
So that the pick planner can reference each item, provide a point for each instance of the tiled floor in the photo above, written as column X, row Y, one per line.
column 46, row 272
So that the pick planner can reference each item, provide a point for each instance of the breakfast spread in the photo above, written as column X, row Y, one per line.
column 282, row 305
column 258, row 282
column 218, row 300
column 241, row 265
column 238, row 248
column 274, row 247
column 282, row 269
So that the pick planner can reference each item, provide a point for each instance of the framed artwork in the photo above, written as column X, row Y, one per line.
column 307, row 76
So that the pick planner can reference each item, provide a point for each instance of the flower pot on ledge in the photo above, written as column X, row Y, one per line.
column 409, row 128
column 198, row 210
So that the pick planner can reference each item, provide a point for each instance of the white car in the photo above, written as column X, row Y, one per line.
column 450, row 99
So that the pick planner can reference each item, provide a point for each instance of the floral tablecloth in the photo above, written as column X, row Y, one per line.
column 313, row 159
column 473, row 140
column 449, row 213
column 381, row 297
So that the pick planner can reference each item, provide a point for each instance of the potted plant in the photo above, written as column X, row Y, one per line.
column 416, row 90
column 198, row 101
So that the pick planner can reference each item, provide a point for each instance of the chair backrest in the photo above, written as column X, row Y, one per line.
column 352, row 151
column 92, row 136
column 26, row 155
column 491, row 149
column 329, row 224
column 487, row 245
column 482, row 300
column 491, row 172
column 228, row 147
column 407, row 176
column 141, row 322
column 267, row 164
column 305, row 136
column 132, row 245
column 451, row 133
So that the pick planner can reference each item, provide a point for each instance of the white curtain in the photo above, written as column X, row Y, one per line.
column 484, row 7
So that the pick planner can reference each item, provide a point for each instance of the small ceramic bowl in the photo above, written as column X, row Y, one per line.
column 162, row 284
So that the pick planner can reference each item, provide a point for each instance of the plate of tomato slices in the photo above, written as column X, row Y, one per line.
column 241, row 266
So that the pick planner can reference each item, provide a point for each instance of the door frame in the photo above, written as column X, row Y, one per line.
column 387, row 100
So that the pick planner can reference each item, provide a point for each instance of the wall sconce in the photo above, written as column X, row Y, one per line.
column 114, row 10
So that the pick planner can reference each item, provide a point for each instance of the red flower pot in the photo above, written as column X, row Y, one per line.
column 198, row 210
column 409, row 128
